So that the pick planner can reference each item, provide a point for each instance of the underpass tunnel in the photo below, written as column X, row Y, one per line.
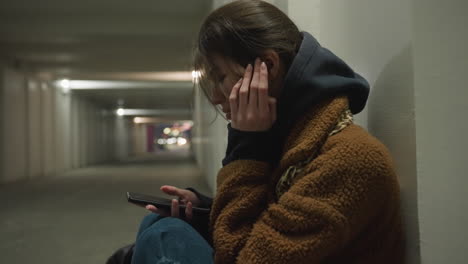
column 98, row 98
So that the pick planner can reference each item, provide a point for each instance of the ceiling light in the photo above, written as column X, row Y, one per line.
column 196, row 76
column 65, row 83
column 120, row 112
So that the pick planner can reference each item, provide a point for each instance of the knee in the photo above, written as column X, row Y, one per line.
column 151, row 217
column 164, row 228
column 171, row 224
column 148, row 220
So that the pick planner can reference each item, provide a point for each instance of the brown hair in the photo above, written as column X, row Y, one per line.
column 241, row 31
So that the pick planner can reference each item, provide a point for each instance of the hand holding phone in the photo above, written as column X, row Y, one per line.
column 184, row 207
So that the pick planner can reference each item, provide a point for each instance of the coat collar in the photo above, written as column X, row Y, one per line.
column 311, row 131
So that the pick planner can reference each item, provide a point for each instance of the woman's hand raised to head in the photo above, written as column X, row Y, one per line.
column 252, row 109
column 186, row 197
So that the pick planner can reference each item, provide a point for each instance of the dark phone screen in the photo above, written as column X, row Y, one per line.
column 159, row 202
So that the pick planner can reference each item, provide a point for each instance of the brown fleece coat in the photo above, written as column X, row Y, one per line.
column 343, row 209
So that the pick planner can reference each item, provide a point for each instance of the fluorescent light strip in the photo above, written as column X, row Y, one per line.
column 102, row 85
column 152, row 112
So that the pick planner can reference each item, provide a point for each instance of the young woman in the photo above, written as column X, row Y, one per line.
column 300, row 182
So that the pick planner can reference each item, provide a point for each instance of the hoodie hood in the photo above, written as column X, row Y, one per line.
column 317, row 74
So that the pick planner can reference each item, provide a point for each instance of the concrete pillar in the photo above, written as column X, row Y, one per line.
column 2, row 125
column 122, row 138
column 209, row 138
column 83, row 133
column 34, row 141
column 139, row 139
column 14, row 125
column 63, row 130
column 75, row 150
column 48, row 129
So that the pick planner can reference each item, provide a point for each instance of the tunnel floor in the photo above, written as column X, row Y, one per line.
column 82, row 216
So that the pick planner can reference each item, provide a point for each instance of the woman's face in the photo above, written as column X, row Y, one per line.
column 226, row 74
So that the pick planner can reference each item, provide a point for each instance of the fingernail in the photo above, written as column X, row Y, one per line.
column 249, row 67
column 263, row 65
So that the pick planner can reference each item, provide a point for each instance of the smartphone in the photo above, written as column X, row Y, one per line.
column 161, row 203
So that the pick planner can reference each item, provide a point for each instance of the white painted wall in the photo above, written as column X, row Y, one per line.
column 13, row 117
column 375, row 38
column 91, row 137
column 34, row 129
column 440, row 71
column 46, row 132
column 209, row 133
column 139, row 138
column 412, row 54
column 48, row 129
column 63, row 131
column 2, row 110
column 210, row 138
column 82, row 133
column 122, row 138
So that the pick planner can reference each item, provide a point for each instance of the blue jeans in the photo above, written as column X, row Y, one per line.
column 168, row 240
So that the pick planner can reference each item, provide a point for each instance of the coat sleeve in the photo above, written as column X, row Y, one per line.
column 321, row 212
column 240, row 198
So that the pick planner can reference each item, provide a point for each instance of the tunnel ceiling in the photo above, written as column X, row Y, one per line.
column 91, row 39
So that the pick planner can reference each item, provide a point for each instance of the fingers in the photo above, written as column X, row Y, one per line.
column 233, row 100
column 175, row 208
column 244, row 89
column 254, row 85
column 188, row 211
column 156, row 210
column 252, row 109
column 171, row 190
column 263, row 98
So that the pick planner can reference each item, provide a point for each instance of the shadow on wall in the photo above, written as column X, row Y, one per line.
column 392, row 119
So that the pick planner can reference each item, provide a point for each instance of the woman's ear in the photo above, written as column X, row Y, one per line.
column 273, row 63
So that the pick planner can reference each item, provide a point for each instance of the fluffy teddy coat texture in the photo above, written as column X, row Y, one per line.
column 344, row 208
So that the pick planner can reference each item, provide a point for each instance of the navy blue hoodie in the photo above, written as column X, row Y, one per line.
column 316, row 74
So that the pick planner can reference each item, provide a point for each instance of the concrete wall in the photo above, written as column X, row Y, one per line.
column 440, row 71
column 139, row 139
column 412, row 54
column 2, row 110
column 13, row 118
column 63, row 131
column 210, row 132
column 34, row 130
column 375, row 38
column 46, row 131
column 122, row 138
column 209, row 138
